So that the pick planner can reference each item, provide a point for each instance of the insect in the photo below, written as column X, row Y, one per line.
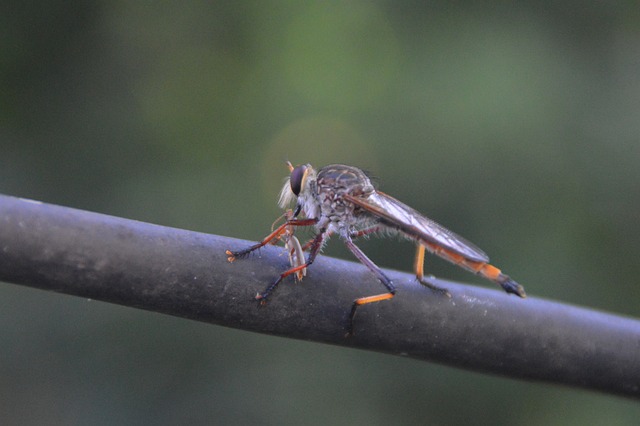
column 292, row 245
column 341, row 199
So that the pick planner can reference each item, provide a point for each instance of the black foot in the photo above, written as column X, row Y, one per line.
column 233, row 255
column 427, row 283
column 352, row 315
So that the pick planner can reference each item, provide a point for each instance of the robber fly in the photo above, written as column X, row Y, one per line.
column 340, row 199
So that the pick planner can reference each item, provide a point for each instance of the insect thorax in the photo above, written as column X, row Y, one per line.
column 333, row 182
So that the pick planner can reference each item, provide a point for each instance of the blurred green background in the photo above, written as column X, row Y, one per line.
column 516, row 125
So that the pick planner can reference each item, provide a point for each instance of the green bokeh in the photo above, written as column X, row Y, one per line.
column 516, row 125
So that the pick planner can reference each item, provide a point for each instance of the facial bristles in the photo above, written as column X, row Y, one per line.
column 286, row 195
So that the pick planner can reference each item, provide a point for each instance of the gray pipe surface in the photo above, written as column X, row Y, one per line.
column 186, row 274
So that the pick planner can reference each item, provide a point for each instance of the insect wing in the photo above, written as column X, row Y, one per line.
column 398, row 215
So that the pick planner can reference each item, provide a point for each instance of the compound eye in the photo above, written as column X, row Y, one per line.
column 297, row 178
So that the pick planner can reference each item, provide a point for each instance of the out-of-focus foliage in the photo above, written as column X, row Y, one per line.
column 516, row 125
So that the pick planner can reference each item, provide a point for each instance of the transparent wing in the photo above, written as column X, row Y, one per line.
column 398, row 215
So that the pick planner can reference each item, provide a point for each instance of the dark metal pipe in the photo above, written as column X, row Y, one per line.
column 186, row 274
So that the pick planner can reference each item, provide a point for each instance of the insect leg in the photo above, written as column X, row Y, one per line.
column 364, row 232
column 418, row 267
column 359, row 254
column 309, row 243
column 315, row 249
column 275, row 235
